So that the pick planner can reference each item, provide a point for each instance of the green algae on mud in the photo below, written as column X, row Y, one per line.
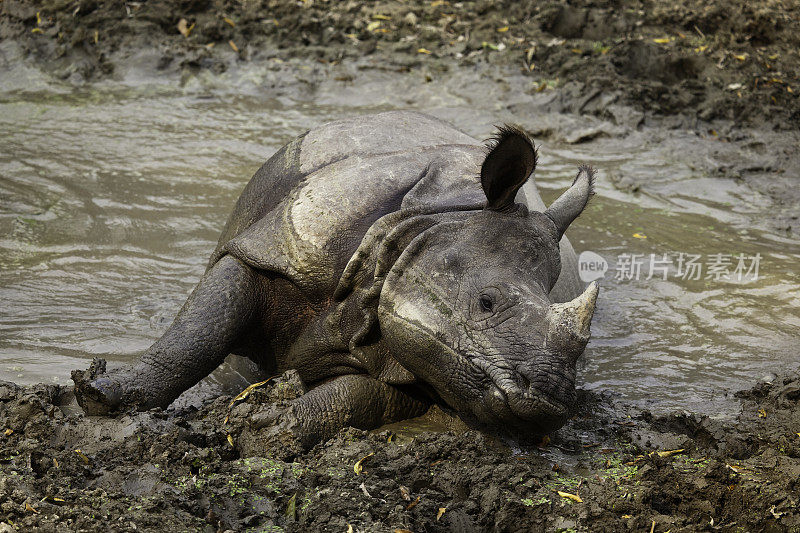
column 176, row 470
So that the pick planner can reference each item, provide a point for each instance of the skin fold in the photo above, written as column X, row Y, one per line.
column 393, row 261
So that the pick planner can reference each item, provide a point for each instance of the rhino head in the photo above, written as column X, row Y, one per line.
column 467, row 306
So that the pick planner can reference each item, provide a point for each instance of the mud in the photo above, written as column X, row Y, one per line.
column 708, row 71
column 728, row 60
column 617, row 469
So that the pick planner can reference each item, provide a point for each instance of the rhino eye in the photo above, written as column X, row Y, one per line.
column 486, row 303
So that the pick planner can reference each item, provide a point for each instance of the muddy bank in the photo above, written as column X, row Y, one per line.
column 721, row 60
column 617, row 469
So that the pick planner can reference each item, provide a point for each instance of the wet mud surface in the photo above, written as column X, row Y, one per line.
column 611, row 468
column 722, row 60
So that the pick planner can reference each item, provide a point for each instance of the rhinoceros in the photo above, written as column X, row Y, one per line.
column 393, row 262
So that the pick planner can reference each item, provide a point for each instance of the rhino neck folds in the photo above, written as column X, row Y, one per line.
column 383, row 245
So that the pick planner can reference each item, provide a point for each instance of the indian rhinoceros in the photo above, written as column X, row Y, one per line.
column 393, row 261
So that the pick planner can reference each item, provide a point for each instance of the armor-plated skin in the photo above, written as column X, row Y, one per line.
column 365, row 255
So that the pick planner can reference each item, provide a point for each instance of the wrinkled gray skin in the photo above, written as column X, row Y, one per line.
column 385, row 259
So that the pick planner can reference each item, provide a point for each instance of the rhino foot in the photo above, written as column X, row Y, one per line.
column 272, row 430
column 284, row 432
column 96, row 392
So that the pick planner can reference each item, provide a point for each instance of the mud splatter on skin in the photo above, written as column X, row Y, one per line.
column 176, row 470
column 726, row 59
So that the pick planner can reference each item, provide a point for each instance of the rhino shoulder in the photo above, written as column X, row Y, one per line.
column 310, row 235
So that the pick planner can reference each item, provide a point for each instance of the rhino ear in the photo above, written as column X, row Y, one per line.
column 572, row 202
column 508, row 165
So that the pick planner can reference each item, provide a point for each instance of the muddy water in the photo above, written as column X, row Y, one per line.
column 112, row 198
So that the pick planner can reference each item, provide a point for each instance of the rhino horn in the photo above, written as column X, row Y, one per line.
column 572, row 202
column 569, row 322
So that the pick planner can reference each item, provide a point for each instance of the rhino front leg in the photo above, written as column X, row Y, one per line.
column 212, row 322
column 351, row 400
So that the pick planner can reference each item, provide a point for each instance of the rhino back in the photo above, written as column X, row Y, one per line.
column 305, row 210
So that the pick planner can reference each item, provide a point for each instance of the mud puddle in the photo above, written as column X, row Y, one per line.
column 113, row 196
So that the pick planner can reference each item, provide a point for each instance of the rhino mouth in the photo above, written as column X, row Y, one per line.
column 539, row 415
column 538, row 408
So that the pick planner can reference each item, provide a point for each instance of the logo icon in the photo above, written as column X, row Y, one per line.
column 591, row 266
